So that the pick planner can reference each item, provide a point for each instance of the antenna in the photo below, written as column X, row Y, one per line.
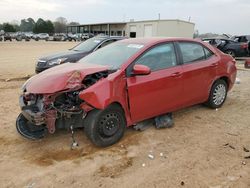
column 189, row 18
column 159, row 16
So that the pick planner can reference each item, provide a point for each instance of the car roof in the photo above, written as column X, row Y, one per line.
column 218, row 39
column 109, row 37
column 155, row 40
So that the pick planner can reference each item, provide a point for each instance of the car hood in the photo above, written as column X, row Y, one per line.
column 70, row 54
column 60, row 78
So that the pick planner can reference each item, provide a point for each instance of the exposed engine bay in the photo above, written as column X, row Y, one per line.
column 43, row 113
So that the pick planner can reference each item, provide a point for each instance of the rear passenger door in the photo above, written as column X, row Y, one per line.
column 199, row 70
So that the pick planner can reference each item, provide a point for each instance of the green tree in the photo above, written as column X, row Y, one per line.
column 39, row 26
column 50, row 27
column 27, row 25
column 60, row 25
column 8, row 27
column 42, row 26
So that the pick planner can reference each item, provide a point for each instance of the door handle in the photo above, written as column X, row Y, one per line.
column 214, row 65
column 176, row 74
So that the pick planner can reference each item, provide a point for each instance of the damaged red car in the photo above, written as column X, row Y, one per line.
column 122, row 84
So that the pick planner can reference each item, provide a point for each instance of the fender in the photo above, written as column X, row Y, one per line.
column 107, row 91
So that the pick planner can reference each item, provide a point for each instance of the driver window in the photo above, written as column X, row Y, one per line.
column 159, row 57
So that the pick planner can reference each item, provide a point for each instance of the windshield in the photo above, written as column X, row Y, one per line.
column 113, row 55
column 88, row 45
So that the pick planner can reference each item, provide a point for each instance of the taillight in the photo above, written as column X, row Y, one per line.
column 244, row 46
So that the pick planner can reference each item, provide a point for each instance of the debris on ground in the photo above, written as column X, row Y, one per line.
column 247, row 157
column 245, row 149
column 143, row 165
column 243, row 162
column 232, row 134
column 150, row 156
column 247, row 64
column 237, row 81
column 142, row 126
column 161, row 154
column 228, row 145
column 182, row 183
column 164, row 121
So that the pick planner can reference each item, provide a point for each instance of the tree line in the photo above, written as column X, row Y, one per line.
column 40, row 26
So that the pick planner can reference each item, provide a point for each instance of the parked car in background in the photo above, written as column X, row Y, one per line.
column 242, row 38
column 122, row 84
column 71, row 37
column 86, row 36
column 23, row 36
column 7, row 36
column 74, row 54
column 41, row 36
column 228, row 46
column 59, row 37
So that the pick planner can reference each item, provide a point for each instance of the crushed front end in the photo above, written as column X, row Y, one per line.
column 43, row 111
column 46, row 113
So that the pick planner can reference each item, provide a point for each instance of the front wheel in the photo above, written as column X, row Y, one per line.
column 218, row 94
column 105, row 127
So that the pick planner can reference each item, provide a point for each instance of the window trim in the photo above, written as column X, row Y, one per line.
column 131, row 65
column 196, row 61
column 106, row 40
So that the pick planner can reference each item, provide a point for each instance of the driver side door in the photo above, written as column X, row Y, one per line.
column 161, row 90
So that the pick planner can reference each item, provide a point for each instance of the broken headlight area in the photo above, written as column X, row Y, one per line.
column 46, row 113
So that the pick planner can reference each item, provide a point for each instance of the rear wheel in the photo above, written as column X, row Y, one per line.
column 218, row 94
column 105, row 127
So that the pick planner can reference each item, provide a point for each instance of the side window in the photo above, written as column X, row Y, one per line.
column 159, row 57
column 208, row 53
column 106, row 43
column 191, row 52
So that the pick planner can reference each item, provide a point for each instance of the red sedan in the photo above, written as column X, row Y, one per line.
column 122, row 84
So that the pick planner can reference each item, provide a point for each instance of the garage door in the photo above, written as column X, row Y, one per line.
column 148, row 30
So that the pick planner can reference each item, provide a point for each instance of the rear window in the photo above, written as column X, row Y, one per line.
column 191, row 52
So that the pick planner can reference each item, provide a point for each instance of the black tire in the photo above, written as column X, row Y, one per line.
column 105, row 127
column 29, row 130
column 231, row 52
column 221, row 87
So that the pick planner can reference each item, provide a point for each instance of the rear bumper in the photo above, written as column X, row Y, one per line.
column 242, row 53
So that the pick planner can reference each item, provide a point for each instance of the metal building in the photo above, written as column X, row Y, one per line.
column 149, row 28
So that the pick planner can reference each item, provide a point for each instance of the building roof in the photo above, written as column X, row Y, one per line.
column 116, row 23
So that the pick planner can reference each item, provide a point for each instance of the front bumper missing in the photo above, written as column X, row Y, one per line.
column 30, row 124
column 36, row 118
column 29, row 130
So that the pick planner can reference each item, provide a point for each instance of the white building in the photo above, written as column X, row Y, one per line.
column 149, row 28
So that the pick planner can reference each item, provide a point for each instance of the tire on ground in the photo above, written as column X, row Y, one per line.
column 211, row 100
column 97, row 121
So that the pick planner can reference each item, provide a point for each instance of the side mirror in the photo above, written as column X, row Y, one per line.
column 141, row 70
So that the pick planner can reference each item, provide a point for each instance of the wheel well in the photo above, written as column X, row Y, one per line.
column 118, row 105
column 225, row 79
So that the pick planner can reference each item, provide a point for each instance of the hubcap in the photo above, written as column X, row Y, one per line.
column 109, row 124
column 219, row 94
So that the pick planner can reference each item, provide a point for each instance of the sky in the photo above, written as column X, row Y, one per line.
column 216, row 16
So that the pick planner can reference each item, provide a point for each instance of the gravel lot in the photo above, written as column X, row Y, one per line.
column 205, row 148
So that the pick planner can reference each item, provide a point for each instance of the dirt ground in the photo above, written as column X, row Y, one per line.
column 205, row 148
